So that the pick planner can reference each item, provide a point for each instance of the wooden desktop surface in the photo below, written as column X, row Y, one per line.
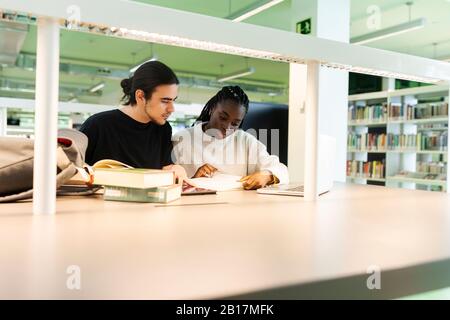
column 234, row 244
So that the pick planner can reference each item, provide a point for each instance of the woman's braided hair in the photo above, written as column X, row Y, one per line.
column 233, row 93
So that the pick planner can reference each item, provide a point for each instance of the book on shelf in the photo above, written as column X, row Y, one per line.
column 431, row 110
column 399, row 111
column 365, row 170
column 372, row 113
column 429, row 141
column 366, row 142
column 439, row 167
column 433, row 127
column 420, row 176
column 433, row 141
column 402, row 141
column 163, row 194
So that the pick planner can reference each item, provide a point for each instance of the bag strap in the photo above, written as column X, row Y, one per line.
column 18, row 196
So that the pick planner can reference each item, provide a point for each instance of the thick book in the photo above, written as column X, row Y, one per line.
column 85, row 175
column 158, row 195
column 133, row 178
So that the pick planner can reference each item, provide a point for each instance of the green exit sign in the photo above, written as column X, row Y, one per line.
column 303, row 27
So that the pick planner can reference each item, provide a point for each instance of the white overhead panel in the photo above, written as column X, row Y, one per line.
column 167, row 26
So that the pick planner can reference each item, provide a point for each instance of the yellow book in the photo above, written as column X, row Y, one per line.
column 85, row 176
column 133, row 178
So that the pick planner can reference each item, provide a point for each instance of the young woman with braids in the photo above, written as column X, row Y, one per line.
column 216, row 143
column 138, row 134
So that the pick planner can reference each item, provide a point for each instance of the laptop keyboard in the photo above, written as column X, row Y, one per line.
column 297, row 189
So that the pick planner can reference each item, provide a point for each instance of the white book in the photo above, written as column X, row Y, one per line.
column 218, row 182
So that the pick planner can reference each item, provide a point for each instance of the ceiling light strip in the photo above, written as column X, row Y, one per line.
column 390, row 32
column 254, row 10
column 235, row 75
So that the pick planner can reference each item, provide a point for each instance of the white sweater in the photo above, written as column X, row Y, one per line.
column 238, row 154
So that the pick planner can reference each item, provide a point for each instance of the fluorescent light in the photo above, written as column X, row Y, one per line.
column 237, row 74
column 390, row 32
column 254, row 9
column 73, row 100
column 380, row 73
column 153, row 58
column 97, row 87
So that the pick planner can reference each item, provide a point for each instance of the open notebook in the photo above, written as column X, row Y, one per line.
column 218, row 182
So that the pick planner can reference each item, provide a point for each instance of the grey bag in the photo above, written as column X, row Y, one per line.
column 17, row 157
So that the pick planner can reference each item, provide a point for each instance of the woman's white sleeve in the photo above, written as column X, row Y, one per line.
column 260, row 159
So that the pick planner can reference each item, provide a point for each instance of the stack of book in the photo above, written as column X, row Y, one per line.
column 137, row 185
column 360, row 169
column 122, row 182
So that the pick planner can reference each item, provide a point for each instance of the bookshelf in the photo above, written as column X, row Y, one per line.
column 399, row 138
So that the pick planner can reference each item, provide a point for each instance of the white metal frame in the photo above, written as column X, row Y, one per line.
column 186, row 29
column 172, row 27
column 46, row 119
column 30, row 104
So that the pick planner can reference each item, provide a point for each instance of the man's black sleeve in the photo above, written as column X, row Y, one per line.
column 90, row 129
column 167, row 147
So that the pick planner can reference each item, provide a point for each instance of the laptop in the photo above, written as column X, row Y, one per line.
column 326, row 153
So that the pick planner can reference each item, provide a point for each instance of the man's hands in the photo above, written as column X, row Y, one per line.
column 179, row 172
column 258, row 180
column 206, row 170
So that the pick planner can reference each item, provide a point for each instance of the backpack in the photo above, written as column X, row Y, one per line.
column 17, row 157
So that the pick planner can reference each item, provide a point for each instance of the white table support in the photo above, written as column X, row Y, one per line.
column 311, row 131
column 46, row 116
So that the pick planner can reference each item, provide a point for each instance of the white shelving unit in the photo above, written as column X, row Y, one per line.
column 68, row 115
column 400, row 165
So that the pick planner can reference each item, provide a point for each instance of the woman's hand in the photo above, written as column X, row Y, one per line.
column 258, row 180
column 179, row 172
column 205, row 170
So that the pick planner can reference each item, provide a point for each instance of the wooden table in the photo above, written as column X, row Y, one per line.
column 244, row 245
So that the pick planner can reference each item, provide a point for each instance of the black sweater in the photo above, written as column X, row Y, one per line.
column 114, row 135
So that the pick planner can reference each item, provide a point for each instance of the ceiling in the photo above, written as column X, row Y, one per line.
column 90, row 59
